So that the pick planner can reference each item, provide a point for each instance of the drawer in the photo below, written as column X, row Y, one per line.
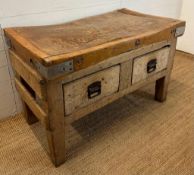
column 150, row 64
column 91, row 88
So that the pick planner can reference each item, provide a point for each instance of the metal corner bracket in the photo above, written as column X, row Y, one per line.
column 179, row 31
column 56, row 70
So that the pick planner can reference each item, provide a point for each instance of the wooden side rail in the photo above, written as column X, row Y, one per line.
column 30, row 101
column 34, row 79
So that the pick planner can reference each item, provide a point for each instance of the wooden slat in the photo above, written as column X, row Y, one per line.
column 36, row 109
column 125, row 74
column 28, row 114
column 33, row 78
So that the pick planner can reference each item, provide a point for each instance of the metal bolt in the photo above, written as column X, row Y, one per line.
column 79, row 60
column 42, row 82
column 137, row 42
column 173, row 31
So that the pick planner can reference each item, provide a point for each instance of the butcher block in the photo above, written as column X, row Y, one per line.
column 66, row 71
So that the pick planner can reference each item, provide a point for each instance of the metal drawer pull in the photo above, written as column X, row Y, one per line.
column 94, row 89
column 151, row 66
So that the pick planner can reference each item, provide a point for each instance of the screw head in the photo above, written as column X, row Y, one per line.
column 79, row 60
column 42, row 82
column 137, row 42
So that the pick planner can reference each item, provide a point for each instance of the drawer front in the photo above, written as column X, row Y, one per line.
column 89, row 89
column 150, row 64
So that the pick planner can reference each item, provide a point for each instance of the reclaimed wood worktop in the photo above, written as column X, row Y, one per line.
column 57, row 43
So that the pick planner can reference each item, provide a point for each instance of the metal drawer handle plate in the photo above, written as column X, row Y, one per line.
column 151, row 65
column 94, row 89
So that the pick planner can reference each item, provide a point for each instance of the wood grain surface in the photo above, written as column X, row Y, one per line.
column 76, row 92
column 105, row 35
column 31, row 76
column 134, row 135
column 29, row 100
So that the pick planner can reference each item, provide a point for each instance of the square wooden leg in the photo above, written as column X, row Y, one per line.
column 161, row 89
column 56, row 123
column 28, row 114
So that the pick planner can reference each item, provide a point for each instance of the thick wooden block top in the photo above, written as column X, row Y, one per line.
column 94, row 38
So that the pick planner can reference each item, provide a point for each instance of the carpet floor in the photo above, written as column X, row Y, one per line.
column 133, row 136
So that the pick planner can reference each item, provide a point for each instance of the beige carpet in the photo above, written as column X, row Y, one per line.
column 133, row 136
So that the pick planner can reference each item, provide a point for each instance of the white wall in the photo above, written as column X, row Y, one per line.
column 168, row 8
column 7, row 97
column 36, row 12
column 186, row 43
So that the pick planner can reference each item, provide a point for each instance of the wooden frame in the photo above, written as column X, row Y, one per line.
column 34, row 79
column 53, row 117
column 43, row 97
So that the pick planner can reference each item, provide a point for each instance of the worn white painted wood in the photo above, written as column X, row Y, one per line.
column 76, row 93
column 140, row 64
column 168, row 8
column 109, row 99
